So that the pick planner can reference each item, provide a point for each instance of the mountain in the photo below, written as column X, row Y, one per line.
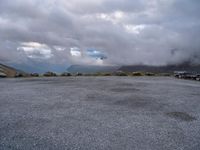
column 7, row 71
column 91, row 69
column 161, row 69
column 40, row 67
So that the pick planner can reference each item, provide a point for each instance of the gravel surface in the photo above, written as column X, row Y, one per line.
column 99, row 113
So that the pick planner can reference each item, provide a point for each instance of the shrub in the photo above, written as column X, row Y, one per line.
column 79, row 74
column 101, row 74
column 18, row 75
column 120, row 73
column 165, row 74
column 149, row 74
column 34, row 75
column 137, row 74
column 107, row 74
column 49, row 74
column 66, row 74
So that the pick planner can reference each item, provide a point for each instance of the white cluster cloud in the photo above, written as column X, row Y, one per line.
column 136, row 29
column 36, row 50
column 75, row 51
column 115, row 17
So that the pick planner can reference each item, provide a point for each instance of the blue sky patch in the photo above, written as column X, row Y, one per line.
column 96, row 54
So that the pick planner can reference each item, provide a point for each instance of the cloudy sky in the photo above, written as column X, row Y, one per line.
column 53, row 34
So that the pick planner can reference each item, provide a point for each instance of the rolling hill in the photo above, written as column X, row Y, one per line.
column 92, row 69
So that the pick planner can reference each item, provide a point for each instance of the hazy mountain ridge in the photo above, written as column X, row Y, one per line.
column 91, row 68
column 134, row 68
column 161, row 69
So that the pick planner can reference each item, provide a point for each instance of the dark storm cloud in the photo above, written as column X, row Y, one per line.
column 156, row 32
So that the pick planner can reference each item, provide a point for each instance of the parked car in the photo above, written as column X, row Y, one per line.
column 181, row 74
column 198, row 77
column 187, row 75
column 2, row 75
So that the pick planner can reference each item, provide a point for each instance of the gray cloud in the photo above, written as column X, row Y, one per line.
column 156, row 32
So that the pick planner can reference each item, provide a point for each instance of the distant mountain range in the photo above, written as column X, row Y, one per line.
column 134, row 68
column 161, row 69
column 8, row 71
column 38, row 67
column 92, row 69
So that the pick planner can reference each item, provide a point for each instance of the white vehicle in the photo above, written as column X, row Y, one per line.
column 198, row 77
column 2, row 75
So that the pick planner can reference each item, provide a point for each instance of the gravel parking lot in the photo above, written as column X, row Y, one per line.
column 100, row 113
